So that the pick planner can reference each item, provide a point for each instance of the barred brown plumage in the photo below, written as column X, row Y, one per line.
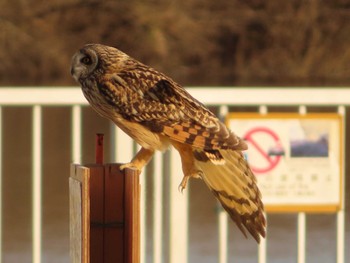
column 157, row 112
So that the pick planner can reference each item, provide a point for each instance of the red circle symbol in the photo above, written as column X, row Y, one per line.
column 271, row 160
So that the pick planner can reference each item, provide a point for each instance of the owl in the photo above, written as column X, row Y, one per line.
column 158, row 113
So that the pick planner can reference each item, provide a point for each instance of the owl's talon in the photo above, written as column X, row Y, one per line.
column 181, row 188
column 183, row 184
column 128, row 165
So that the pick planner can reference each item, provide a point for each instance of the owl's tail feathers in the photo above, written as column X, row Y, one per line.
column 234, row 185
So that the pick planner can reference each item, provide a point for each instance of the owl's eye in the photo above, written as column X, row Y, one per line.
column 86, row 60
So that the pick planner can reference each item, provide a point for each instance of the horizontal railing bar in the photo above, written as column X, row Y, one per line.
column 283, row 96
column 42, row 96
column 250, row 96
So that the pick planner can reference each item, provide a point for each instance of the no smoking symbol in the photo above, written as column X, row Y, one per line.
column 270, row 157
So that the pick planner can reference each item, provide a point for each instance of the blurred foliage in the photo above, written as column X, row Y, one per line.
column 197, row 42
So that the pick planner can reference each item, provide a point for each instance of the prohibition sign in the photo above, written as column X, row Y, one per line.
column 271, row 161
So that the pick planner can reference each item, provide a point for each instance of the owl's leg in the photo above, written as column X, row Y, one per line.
column 188, row 166
column 142, row 158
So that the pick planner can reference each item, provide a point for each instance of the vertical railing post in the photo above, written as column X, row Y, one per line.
column 178, row 243
column 1, row 184
column 76, row 134
column 222, row 215
column 262, row 248
column 37, row 183
column 341, row 212
column 301, row 237
column 302, row 218
column 157, row 208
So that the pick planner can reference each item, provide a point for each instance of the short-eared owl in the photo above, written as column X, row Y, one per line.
column 157, row 112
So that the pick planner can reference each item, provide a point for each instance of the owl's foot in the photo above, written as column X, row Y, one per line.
column 142, row 157
column 183, row 184
column 130, row 166
column 188, row 164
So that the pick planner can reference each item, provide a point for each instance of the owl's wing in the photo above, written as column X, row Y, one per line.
column 164, row 107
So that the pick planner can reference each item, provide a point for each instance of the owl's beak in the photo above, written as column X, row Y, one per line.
column 73, row 68
column 72, row 71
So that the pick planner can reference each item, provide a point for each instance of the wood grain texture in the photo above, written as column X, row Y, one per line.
column 104, row 214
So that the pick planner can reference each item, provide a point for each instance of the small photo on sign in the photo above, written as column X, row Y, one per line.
column 309, row 139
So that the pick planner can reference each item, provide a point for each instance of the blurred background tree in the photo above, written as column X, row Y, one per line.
column 241, row 42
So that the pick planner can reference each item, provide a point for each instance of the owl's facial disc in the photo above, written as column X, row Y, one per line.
column 83, row 64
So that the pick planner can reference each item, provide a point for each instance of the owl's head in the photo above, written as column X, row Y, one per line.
column 96, row 58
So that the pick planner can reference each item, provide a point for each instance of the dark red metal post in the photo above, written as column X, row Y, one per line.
column 99, row 148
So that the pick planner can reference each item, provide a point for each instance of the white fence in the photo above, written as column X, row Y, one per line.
column 221, row 98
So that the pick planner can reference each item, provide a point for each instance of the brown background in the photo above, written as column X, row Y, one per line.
column 251, row 42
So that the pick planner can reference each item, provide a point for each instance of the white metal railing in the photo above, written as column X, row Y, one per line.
column 278, row 96
column 1, row 189
column 221, row 97
column 37, row 183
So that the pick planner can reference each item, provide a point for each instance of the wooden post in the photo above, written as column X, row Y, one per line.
column 104, row 213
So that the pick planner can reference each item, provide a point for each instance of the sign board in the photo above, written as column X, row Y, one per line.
column 297, row 159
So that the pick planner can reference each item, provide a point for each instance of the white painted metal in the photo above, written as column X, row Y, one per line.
column 301, row 237
column 263, row 109
column 42, row 96
column 178, row 250
column 1, row 184
column 223, row 236
column 157, row 208
column 37, row 185
column 143, row 226
column 222, row 215
column 281, row 96
column 302, row 218
column 341, row 213
column 123, row 146
column 341, row 236
column 262, row 248
column 302, row 109
column 76, row 134
column 278, row 96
